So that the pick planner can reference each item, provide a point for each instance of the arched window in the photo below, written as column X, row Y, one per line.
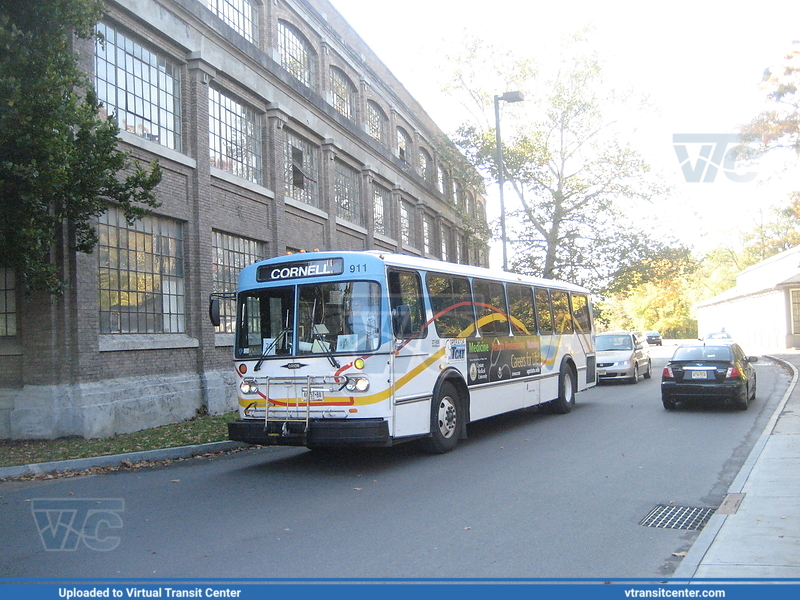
column 403, row 145
column 441, row 179
column 425, row 165
column 343, row 93
column 296, row 53
column 376, row 122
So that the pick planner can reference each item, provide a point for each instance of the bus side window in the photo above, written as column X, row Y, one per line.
column 490, row 307
column 580, row 311
column 520, row 309
column 561, row 312
column 542, row 296
column 405, row 300
column 451, row 301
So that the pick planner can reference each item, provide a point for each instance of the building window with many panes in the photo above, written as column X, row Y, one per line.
column 425, row 165
column 346, row 193
column 377, row 122
column 231, row 254
column 445, row 233
column 240, row 15
column 407, row 228
column 403, row 145
column 8, row 303
column 441, row 178
column 139, row 86
column 427, row 234
column 296, row 54
column 343, row 93
column 234, row 136
column 381, row 198
column 463, row 249
column 141, row 279
column 301, row 171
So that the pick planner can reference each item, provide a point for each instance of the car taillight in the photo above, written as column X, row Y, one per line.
column 733, row 372
column 667, row 372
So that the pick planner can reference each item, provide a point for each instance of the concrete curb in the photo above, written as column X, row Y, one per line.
column 115, row 460
column 691, row 562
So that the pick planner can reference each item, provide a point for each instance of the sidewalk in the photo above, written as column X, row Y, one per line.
column 759, row 538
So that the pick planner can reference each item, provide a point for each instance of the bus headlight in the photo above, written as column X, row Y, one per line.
column 249, row 386
column 357, row 384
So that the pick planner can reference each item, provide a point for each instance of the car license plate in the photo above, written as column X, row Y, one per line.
column 699, row 374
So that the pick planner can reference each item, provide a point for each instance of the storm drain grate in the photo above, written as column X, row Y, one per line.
column 678, row 517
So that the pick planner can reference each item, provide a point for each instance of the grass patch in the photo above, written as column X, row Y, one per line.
column 200, row 430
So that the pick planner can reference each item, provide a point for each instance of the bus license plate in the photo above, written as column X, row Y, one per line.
column 699, row 375
column 317, row 395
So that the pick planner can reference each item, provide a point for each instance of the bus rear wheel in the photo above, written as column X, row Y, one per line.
column 446, row 417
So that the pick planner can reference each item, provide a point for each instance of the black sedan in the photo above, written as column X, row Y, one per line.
column 709, row 371
column 653, row 338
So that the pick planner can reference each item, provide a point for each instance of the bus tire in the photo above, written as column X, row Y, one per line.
column 566, row 391
column 446, row 416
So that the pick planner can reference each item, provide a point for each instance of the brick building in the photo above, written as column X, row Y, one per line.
column 277, row 130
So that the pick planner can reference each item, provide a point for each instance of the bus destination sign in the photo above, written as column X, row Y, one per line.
column 305, row 268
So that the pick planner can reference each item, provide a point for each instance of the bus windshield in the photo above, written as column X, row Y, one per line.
column 321, row 318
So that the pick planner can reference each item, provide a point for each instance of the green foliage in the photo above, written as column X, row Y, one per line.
column 651, row 293
column 59, row 162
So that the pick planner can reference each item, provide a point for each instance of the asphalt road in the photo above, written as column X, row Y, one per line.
column 528, row 495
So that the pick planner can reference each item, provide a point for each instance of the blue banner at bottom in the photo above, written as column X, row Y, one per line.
column 401, row 590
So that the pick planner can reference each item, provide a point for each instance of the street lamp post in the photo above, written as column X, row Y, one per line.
column 501, row 179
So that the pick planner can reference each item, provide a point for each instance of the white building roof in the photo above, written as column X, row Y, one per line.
column 768, row 275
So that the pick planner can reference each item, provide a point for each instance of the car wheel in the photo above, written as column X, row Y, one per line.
column 446, row 416
column 742, row 403
column 635, row 378
column 649, row 372
column 753, row 393
column 669, row 403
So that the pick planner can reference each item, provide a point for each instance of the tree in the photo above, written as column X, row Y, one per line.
column 779, row 125
column 576, row 181
column 60, row 166
column 651, row 293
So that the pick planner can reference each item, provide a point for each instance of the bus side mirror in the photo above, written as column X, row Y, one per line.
column 402, row 321
column 213, row 312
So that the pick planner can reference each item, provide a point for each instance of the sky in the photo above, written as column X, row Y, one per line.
column 699, row 62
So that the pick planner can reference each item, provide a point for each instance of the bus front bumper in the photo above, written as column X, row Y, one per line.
column 320, row 432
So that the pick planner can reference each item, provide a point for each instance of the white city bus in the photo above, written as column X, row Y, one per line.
column 373, row 349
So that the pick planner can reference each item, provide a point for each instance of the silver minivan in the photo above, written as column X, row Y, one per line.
column 622, row 355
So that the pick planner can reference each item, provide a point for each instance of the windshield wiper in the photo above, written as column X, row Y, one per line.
column 317, row 336
column 268, row 350
column 286, row 329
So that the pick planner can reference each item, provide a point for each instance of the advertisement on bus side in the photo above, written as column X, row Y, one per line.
column 495, row 359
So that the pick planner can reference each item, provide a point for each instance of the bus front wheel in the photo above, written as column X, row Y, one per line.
column 566, row 391
column 446, row 416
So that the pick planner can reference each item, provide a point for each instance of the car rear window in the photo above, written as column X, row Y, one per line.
column 703, row 353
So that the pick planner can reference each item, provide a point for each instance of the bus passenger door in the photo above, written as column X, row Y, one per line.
column 412, row 377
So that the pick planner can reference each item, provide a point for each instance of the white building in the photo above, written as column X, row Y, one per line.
column 763, row 309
